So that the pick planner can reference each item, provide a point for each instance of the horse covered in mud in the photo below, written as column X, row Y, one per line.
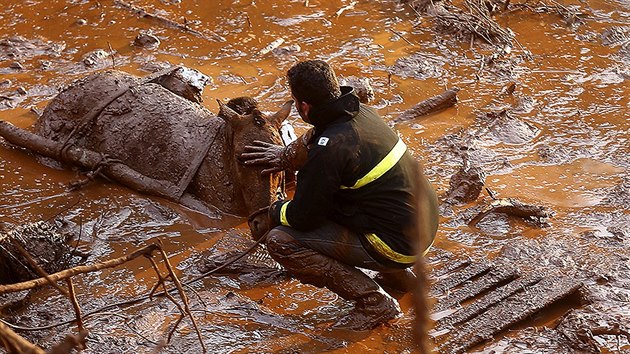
column 157, row 128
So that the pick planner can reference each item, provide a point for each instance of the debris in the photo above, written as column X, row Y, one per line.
column 488, row 300
column 168, row 22
column 16, row 66
column 431, row 105
column 350, row 6
column 146, row 39
column 95, row 57
column 514, row 207
column 42, row 240
column 497, row 275
column 466, row 184
column 271, row 46
column 459, row 278
column 509, row 312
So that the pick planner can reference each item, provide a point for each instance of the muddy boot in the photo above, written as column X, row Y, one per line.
column 373, row 305
column 403, row 280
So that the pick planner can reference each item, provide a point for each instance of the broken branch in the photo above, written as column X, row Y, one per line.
column 183, row 27
column 64, row 274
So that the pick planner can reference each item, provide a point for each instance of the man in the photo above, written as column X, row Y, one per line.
column 355, row 198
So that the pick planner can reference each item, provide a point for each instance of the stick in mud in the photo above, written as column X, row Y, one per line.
column 184, row 27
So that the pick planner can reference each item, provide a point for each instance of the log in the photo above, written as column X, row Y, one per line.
column 91, row 160
column 431, row 105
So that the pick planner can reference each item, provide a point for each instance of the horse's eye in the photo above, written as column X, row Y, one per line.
column 260, row 121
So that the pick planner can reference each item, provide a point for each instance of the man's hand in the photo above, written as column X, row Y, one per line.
column 267, row 154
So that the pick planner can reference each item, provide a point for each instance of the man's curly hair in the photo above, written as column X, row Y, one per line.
column 314, row 82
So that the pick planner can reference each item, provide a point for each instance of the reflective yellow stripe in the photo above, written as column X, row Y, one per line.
column 283, row 214
column 385, row 165
column 382, row 248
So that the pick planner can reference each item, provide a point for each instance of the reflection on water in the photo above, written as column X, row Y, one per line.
column 570, row 87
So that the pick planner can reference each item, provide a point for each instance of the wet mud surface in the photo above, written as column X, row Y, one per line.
column 544, row 123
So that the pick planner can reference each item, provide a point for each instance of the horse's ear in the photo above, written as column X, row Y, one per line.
column 226, row 113
column 281, row 115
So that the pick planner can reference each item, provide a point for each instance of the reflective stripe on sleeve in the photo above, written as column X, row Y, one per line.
column 283, row 214
column 386, row 251
column 382, row 167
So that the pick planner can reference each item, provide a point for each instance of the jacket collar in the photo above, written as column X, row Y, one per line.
column 343, row 108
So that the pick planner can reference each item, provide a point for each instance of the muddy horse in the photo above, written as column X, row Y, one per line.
column 153, row 135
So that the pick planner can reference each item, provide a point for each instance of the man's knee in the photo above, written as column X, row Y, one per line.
column 280, row 243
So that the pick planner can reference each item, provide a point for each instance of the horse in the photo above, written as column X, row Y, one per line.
column 156, row 127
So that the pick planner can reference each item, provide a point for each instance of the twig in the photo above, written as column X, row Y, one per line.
column 182, row 294
column 142, row 13
column 401, row 36
column 111, row 52
column 75, row 304
column 170, row 297
column 249, row 21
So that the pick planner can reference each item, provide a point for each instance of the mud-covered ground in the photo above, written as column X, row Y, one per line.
column 542, row 119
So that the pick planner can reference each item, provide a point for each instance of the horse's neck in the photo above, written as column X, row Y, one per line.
column 223, row 180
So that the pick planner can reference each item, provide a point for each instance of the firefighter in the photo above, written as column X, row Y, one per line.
column 354, row 202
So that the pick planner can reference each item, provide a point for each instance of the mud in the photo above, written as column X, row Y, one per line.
column 545, row 121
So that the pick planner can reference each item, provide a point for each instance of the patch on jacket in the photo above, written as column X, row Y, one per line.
column 323, row 141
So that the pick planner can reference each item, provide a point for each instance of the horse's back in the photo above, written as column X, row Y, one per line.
column 150, row 129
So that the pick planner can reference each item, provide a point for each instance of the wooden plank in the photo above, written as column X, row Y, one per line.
column 485, row 282
column 450, row 266
column 487, row 301
column 509, row 312
column 460, row 277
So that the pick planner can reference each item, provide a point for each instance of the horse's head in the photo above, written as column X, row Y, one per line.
column 245, row 124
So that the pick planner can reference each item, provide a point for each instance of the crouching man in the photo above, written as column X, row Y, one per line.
column 355, row 198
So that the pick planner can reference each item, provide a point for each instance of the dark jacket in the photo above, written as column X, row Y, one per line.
column 350, row 139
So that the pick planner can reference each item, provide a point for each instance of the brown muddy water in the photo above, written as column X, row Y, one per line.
column 565, row 146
